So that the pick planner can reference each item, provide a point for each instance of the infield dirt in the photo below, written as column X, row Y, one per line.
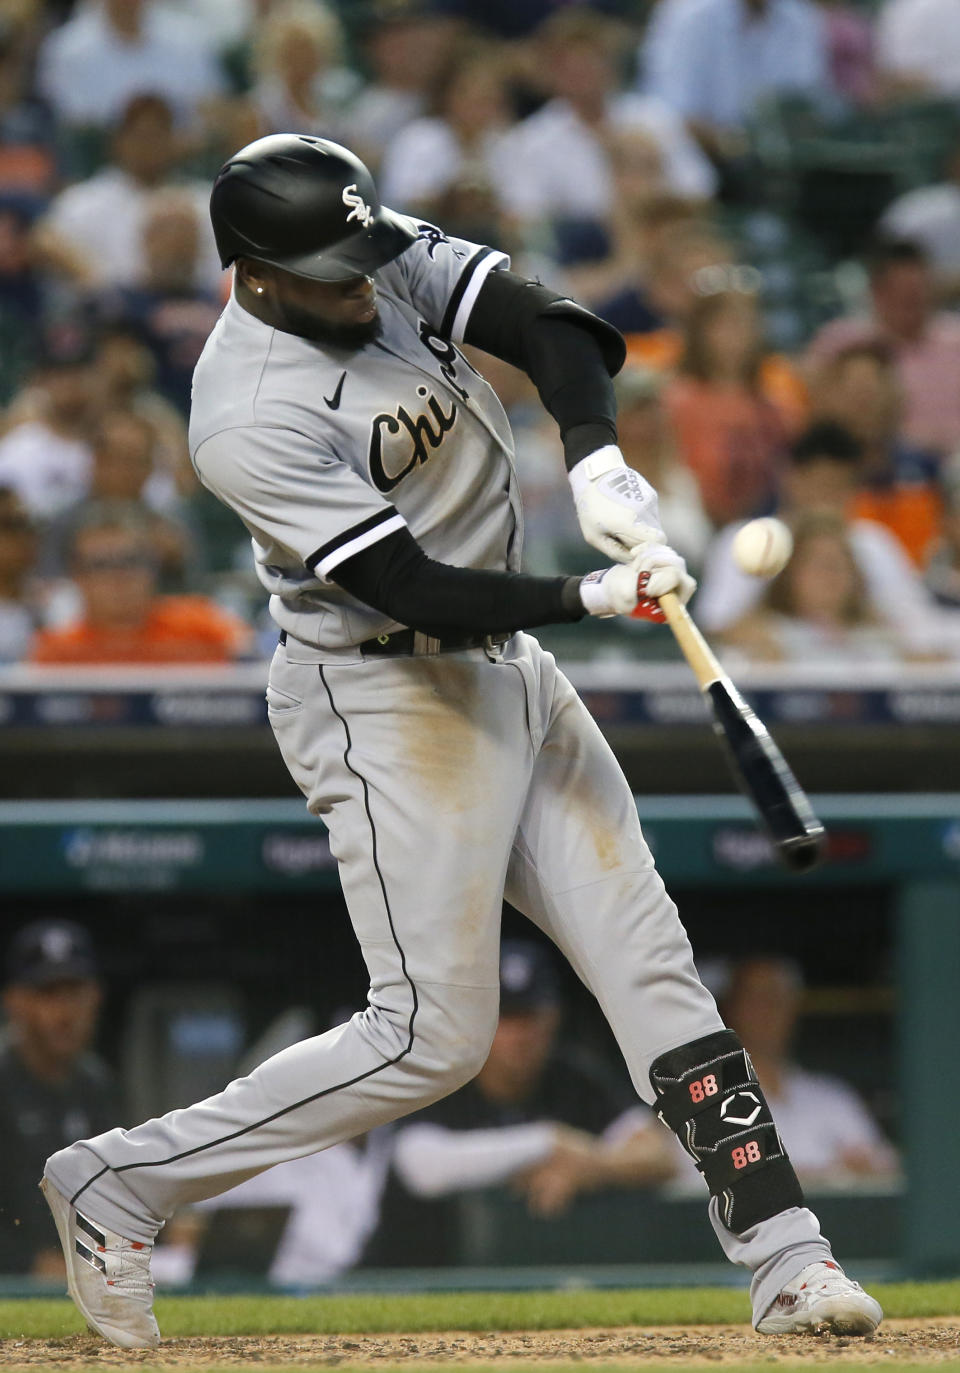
column 899, row 1343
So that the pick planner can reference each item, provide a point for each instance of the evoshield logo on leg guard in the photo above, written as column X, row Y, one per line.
column 747, row 1104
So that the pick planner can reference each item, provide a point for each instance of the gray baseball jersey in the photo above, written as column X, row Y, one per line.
column 323, row 451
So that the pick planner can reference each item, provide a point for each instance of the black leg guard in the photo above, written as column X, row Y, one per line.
column 710, row 1097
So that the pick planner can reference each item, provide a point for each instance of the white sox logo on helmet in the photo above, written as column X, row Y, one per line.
column 358, row 207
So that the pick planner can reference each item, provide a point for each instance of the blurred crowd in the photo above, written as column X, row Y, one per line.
column 763, row 195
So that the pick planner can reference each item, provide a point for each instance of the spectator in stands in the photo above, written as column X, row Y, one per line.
column 822, row 474
column 559, row 165
column 730, row 434
column 164, row 306
column 45, row 456
column 24, row 297
column 827, row 1129
column 619, row 285
column 930, row 217
column 544, row 1121
column 918, row 47
column 122, row 472
column 470, row 208
column 223, row 21
column 20, row 605
column 464, row 140
column 678, row 256
column 300, row 83
column 899, row 481
column 849, row 36
column 105, row 54
column 925, row 344
column 714, row 61
column 27, row 135
column 817, row 610
column 50, row 1081
column 334, row 1204
column 942, row 574
column 124, row 374
column 93, row 233
column 124, row 620
column 407, row 46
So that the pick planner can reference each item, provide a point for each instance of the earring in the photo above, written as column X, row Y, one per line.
column 259, row 290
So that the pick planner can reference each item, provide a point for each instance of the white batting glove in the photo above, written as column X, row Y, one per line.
column 662, row 569
column 616, row 507
column 633, row 588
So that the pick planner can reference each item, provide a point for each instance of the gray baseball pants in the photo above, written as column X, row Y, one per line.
column 446, row 783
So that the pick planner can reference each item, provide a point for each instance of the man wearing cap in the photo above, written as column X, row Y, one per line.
column 52, row 1088
column 544, row 1118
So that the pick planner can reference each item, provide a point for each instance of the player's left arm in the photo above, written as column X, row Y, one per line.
column 469, row 295
column 570, row 355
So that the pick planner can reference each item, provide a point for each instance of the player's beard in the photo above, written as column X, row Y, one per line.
column 307, row 324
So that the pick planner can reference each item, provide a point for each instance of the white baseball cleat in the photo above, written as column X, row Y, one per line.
column 821, row 1299
column 108, row 1276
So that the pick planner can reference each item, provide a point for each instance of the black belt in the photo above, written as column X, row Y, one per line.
column 411, row 643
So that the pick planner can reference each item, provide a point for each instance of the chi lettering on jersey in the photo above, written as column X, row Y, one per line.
column 447, row 356
column 401, row 441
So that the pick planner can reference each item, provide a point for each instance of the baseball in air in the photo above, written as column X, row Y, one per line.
column 762, row 547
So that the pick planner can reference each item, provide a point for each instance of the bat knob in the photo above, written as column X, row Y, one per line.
column 804, row 853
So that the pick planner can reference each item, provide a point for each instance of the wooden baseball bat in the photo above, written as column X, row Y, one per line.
column 760, row 769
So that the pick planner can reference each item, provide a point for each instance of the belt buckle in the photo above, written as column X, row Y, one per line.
column 425, row 645
column 494, row 644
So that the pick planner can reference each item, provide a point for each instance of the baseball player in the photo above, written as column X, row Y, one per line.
column 451, row 761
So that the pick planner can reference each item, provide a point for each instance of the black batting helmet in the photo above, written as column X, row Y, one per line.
column 306, row 205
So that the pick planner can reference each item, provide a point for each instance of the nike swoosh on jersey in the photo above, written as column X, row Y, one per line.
column 334, row 400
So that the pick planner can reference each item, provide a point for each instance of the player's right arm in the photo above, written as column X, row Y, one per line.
column 397, row 577
column 320, row 514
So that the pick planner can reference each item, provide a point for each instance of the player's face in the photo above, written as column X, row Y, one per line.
column 342, row 314
column 822, row 484
column 520, row 1047
column 55, row 1023
column 762, row 1007
column 115, row 575
column 823, row 579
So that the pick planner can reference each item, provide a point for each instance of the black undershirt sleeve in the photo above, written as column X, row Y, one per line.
column 396, row 577
column 560, row 352
column 566, row 365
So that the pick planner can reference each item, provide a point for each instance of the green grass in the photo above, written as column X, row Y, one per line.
column 475, row 1311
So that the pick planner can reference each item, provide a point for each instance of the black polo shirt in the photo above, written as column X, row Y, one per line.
column 36, row 1119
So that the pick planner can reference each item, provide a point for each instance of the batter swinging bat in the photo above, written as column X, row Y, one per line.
column 758, row 765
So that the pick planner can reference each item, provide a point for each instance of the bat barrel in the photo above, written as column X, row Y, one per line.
column 765, row 777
